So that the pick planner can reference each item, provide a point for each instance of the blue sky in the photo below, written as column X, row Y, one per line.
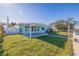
column 38, row 13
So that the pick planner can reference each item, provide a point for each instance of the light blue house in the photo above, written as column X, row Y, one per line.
column 30, row 30
column 33, row 28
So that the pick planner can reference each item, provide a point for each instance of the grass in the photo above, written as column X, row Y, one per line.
column 2, row 34
column 64, row 34
column 57, row 41
column 59, row 33
column 18, row 45
column 61, row 44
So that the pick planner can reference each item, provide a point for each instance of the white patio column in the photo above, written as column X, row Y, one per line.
column 30, row 31
column 34, row 30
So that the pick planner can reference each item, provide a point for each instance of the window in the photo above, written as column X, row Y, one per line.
column 42, row 28
column 32, row 29
column 35, row 29
column 20, row 29
column 38, row 29
column 25, row 29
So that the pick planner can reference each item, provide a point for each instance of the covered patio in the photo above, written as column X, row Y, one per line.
column 33, row 29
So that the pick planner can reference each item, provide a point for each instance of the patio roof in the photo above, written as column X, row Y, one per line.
column 33, row 24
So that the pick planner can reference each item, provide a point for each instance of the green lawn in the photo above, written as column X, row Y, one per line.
column 58, row 33
column 41, row 46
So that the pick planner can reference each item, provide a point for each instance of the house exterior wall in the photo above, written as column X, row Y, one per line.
column 23, row 31
column 76, row 25
column 12, row 30
column 38, row 30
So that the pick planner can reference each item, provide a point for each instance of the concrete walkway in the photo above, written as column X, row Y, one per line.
column 75, row 48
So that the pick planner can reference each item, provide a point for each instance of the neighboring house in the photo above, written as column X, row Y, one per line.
column 76, row 31
column 76, row 25
column 52, row 26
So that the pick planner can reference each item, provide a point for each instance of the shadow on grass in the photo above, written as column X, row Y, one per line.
column 56, row 33
column 57, row 41
column 1, row 46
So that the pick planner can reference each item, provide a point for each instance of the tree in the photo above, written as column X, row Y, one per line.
column 12, row 24
column 2, row 33
column 62, row 25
